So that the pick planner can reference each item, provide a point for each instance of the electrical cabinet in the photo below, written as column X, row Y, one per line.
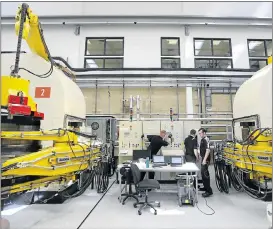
column 105, row 128
column 151, row 128
column 130, row 137
column 176, row 129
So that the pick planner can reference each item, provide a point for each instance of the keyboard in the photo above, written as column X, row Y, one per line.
column 159, row 164
column 176, row 165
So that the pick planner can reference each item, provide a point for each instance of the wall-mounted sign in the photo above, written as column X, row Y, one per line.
column 42, row 92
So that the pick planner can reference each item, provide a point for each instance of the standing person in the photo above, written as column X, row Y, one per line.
column 205, row 158
column 157, row 141
column 190, row 144
column 191, row 154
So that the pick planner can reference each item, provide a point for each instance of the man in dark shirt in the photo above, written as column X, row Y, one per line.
column 156, row 142
column 190, row 144
column 205, row 157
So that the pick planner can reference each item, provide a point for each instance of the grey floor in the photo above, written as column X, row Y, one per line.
column 233, row 211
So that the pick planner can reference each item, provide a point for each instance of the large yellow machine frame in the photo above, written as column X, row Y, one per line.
column 255, row 158
column 67, row 157
column 58, row 163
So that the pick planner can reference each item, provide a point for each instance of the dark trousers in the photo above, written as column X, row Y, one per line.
column 151, row 175
column 206, row 177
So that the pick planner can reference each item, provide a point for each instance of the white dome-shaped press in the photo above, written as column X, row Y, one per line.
column 255, row 97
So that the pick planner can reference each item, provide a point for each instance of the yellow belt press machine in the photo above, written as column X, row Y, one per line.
column 245, row 162
column 25, row 164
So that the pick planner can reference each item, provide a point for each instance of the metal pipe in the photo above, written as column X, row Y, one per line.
column 150, row 97
column 131, row 102
column 177, row 99
column 138, row 106
column 123, row 98
column 231, row 101
column 133, row 21
column 109, row 102
column 96, row 97
column 120, row 114
column 183, row 119
column 199, row 92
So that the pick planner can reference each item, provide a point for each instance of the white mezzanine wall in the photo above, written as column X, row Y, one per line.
column 257, row 9
column 142, row 48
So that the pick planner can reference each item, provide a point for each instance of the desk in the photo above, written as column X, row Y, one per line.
column 185, row 168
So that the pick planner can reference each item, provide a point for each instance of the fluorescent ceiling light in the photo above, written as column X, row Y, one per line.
column 254, row 44
column 198, row 46
column 172, row 42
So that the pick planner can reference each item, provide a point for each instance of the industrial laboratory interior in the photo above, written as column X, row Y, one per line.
column 130, row 115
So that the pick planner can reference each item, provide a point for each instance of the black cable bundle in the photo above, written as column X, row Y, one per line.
column 222, row 178
column 101, row 178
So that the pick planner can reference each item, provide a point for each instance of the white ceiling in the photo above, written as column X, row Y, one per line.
column 207, row 9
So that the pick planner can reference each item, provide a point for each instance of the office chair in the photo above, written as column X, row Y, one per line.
column 144, row 186
column 127, row 175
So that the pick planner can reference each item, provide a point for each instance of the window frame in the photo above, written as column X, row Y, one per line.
column 166, row 57
column 177, row 38
column 265, row 47
column 211, row 43
column 104, row 46
column 257, row 59
column 231, row 67
column 103, row 59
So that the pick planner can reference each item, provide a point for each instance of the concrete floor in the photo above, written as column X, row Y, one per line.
column 233, row 211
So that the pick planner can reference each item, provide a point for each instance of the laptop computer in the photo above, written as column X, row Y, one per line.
column 159, row 161
column 176, row 161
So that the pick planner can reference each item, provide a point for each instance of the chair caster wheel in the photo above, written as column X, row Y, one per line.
column 158, row 205
column 139, row 212
column 123, row 203
column 135, row 206
column 155, row 213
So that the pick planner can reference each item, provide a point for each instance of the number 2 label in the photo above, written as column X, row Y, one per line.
column 42, row 92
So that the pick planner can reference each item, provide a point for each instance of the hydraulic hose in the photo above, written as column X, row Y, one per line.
column 102, row 176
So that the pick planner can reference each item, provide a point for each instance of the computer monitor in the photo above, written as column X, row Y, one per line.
column 158, row 159
column 137, row 154
column 176, row 160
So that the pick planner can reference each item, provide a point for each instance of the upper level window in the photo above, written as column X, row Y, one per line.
column 104, row 53
column 215, row 53
column 259, row 51
column 170, row 52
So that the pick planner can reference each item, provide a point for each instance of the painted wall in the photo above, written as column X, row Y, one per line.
column 111, row 100
column 209, row 9
column 141, row 42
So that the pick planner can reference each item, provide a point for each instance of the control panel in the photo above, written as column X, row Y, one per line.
column 175, row 128
column 150, row 128
column 130, row 137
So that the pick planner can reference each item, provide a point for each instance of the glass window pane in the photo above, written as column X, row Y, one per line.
column 269, row 48
column 221, row 48
column 208, row 63
column 93, row 63
column 170, row 47
column 114, row 47
column 114, row 63
column 212, row 63
column 203, row 48
column 95, row 47
column 256, row 48
column 257, row 64
column 170, row 63
column 222, row 63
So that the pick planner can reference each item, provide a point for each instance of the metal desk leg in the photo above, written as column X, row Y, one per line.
column 120, row 188
column 196, row 187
